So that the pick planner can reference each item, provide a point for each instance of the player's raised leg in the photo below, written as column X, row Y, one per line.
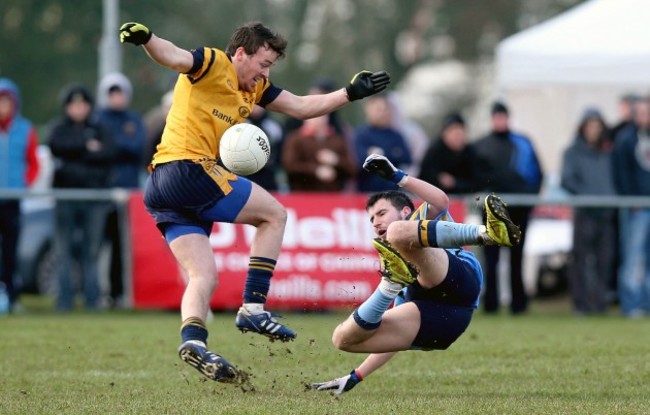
column 269, row 217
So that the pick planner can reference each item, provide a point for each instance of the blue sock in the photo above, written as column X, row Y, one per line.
column 368, row 315
column 258, row 280
column 193, row 328
column 443, row 234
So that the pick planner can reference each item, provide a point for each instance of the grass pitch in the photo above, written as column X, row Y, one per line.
column 547, row 362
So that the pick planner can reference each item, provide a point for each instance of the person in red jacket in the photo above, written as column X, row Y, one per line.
column 18, row 170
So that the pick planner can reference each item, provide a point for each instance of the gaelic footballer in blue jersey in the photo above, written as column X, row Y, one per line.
column 433, row 282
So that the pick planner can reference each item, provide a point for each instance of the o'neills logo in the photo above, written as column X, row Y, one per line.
column 264, row 146
column 244, row 112
column 227, row 118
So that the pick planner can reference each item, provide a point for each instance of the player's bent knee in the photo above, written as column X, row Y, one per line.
column 341, row 344
column 339, row 340
column 398, row 233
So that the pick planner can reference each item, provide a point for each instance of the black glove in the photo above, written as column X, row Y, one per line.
column 340, row 385
column 367, row 83
column 135, row 33
column 382, row 167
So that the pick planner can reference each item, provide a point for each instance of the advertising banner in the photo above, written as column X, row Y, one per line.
column 327, row 259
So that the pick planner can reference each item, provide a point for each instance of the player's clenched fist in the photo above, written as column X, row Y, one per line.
column 367, row 83
column 135, row 33
column 381, row 166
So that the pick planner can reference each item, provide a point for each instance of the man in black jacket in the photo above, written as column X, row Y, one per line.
column 450, row 162
column 83, row 150
column 508, row 164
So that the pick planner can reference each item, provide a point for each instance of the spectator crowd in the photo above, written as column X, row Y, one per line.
column 100, row 142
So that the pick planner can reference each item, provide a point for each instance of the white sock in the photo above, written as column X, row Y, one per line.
column 254, row 308
column 389, row 288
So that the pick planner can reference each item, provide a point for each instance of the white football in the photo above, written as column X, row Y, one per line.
column 244, row 149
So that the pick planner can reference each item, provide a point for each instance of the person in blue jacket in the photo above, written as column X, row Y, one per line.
column 508, row 163
column 128, row 129
column 631, row 170
column 378, row 136
column 18, row 169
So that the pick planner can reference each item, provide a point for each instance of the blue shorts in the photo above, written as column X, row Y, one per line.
column 183, row 198
column 446, row 310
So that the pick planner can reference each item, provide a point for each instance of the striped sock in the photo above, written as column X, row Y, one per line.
column 193, row 328
column 443, row 234
column 258, row 280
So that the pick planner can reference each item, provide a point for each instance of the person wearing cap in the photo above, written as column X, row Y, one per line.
column 18, row 170
column 84, row 151
column 587, row 170
column 508, row 163
column 450, row 162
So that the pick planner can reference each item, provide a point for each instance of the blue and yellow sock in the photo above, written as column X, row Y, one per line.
column 258, row 280
column 193, row 328
column 443, row 234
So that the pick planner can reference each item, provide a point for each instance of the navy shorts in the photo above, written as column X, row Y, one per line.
column 194, row 195
column 446, row 310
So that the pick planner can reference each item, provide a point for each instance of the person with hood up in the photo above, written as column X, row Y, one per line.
column 587, row 170
column 128, row 130
column 127, row 127
column 18, row 170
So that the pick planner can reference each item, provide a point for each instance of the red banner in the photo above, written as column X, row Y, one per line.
column 327, row 258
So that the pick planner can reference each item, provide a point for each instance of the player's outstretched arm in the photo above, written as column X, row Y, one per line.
column 380, row 165
column 362, row 85
column 345, row 383
column 160, row 50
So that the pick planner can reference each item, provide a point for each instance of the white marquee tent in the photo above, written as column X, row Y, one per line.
column 588, row 56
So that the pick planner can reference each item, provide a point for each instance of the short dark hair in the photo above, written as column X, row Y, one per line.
column 396, row 198
column 254, row 35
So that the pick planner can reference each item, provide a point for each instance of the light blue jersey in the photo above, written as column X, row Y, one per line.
column 468, row 257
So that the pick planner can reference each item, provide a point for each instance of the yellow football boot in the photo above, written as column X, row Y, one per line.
column 500, row 228
column 395, row 268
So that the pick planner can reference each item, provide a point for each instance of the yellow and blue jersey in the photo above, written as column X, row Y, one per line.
column 207, row 101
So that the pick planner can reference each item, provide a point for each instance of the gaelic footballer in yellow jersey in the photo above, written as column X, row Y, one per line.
column 206, row 102
column 187, row 191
